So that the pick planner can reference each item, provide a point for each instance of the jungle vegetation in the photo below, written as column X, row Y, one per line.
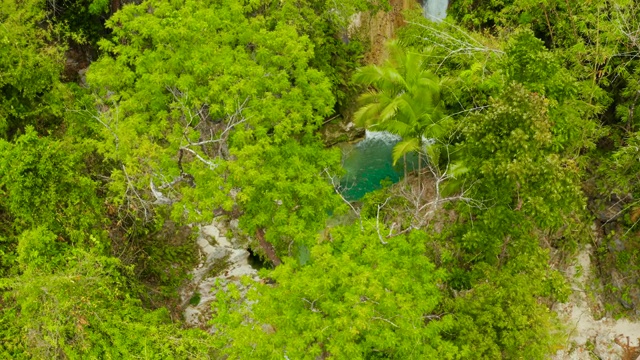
column 122, row 122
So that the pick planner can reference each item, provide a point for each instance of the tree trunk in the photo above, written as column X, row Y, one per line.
column 404, row 157
column 115, row 6
column 268, row 249
column 420, row 170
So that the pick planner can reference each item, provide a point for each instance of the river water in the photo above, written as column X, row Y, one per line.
column 369, row 162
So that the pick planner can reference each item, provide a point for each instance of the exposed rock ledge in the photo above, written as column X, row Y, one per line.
column 222, row 259
column 338, row 131
column 590, row 338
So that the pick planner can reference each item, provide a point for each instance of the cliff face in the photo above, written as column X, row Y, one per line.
column 378, row 29
column 222, row 260
column 381, row 27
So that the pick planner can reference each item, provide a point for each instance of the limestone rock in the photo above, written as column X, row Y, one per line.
column 338, row 131
column 224, row 262
column 588, row 336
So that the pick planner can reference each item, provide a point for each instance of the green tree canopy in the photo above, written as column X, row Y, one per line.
column 30, row 67
column 77, row 304
column 356, row 299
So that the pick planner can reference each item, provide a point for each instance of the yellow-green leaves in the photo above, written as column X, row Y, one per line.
column 510, row 147
column 196, row 80
column 30, row 67
column 283, row 190
column 356, row 299
column 44, row 185
column 37, row 249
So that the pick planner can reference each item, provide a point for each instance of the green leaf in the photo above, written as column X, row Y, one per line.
column 404, row 147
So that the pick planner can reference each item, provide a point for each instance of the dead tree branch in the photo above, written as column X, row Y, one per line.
column 378, row 220
column 338, row 189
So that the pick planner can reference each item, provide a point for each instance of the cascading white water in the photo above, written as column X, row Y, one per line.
column 383, row 136
column 388, row 138
column 435, row 10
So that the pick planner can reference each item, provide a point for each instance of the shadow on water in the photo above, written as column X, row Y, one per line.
column 369, row 162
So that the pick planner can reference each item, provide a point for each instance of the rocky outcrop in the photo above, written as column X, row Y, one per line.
column 380, row 27
column 338, row 131
column 589, row 337
column 223, row 260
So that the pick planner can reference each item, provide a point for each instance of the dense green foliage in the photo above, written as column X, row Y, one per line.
column 406, row 101
column 523, row 115
column 30, row 67
column 351, row 302
column 74, row 304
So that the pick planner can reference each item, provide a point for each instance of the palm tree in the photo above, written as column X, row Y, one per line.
column 403, row 98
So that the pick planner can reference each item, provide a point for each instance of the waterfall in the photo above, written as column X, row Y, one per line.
column 379, row 136
column 388, row 138
column 435, row 10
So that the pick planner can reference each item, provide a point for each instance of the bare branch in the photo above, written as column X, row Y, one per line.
column 312, row 304
column 336, row 188
column 378, row 220
column 453, row 45
column 160, row 198
column 385, row 320
column 132, row 188
column 109, row 123
column 209, row 163
column 200, row 119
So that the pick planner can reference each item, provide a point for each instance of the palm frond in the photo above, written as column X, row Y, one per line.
column 392, row 76
column 407, row 106
column 367, row 115
column 369, row 97
column 368, row 75
column 404, row 147
column 413, row 67
column 399, row 128
column 396, row 54
column 389, row 111
column 406, row 100
column 429, row 83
